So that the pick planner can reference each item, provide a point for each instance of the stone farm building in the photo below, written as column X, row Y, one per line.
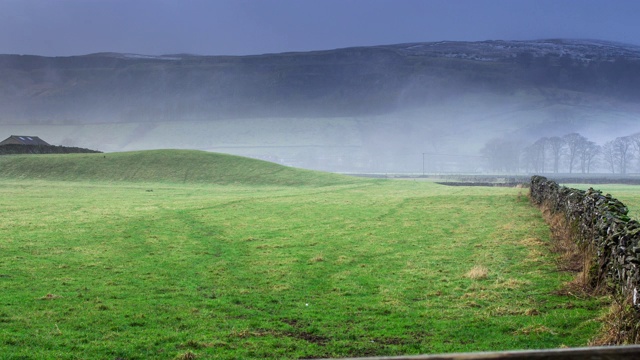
column 23, row 140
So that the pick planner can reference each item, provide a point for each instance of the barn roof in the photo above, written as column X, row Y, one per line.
column 23, row 140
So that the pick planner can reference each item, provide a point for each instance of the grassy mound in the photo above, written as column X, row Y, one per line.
column 167, row 166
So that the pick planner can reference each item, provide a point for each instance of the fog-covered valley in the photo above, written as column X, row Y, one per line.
column 409, row 108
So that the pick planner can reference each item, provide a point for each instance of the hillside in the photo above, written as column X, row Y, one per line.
column 162, row 166
column 356, row 109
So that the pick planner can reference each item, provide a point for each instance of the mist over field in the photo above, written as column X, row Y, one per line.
column 179, row 213
column 464, row 107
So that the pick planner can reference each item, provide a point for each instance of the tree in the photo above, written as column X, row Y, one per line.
column 617, row 153
column 587, row 155
column 635, row 141
column 502, row 155
column 623, row 147
column 536, row 154
column 608, row 153
column 575, row 144
column 556, row 145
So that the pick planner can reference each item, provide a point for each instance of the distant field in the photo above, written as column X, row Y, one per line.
column 628, row 194
column 305, row 267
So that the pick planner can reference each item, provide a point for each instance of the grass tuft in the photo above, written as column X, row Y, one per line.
column 532, row 312
column 50, row 297
column 187, row 356
column 478, row 272
column 510, row 283
column 537, row 329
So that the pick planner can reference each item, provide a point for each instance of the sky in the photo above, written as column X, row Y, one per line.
column 245, row 27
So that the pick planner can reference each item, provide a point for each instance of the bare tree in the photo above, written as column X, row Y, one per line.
column 535, row 155
column 608, row 153
column 617, row 153
column 587, row 155
column 635, row 140
column 575, row 143
column 623, row 147
column 556, row 145
column 502, row 154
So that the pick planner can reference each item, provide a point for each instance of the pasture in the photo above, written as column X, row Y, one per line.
column 134, row 262
column 628, row 194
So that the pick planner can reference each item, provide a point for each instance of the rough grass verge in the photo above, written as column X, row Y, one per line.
column 570, row 256
column 621, row 323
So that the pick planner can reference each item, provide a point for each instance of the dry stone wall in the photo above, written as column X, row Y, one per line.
column 601, row 226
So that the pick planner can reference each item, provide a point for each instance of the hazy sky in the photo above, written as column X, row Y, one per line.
column 240, row 27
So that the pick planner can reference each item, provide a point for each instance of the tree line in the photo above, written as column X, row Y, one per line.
column 571, row 153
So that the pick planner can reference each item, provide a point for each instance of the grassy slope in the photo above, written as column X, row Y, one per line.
column 167, row 166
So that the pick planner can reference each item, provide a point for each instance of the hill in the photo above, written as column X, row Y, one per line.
column 356, row 109
column 164, row 166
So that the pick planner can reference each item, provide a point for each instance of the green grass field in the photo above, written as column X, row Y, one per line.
column 189, row 253
column 628, row 194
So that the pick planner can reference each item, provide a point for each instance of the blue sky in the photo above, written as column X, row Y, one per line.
column 241, row 27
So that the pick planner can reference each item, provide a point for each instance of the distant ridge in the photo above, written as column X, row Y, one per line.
column 369, row 109
column 353, row 81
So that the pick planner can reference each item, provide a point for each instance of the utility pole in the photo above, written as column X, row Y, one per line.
column 423, row 154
